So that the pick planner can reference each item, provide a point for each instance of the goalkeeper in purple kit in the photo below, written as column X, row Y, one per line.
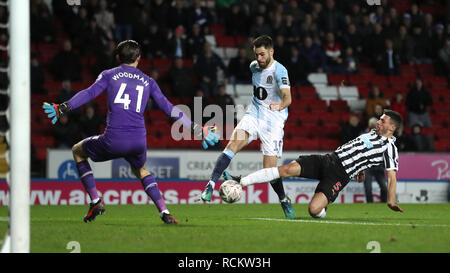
column 128, row 90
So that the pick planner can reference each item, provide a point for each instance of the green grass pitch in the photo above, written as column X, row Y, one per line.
column 241, row 228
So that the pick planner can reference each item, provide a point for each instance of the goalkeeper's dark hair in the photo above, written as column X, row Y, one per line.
column 128, row 51
column 264, row 41
column 396, row 118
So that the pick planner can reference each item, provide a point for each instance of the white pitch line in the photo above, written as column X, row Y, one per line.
column 347, row 223
column 4, row 219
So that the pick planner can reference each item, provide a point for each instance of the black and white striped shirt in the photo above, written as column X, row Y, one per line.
column 366, row 151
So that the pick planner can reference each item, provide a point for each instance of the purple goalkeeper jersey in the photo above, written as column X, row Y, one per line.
column 128, row 90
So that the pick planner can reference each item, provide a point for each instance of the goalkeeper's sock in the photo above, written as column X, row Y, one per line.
column 261, row 176
column 277, row 186
column 152, row 190
column 87, row 178
column 221, row 164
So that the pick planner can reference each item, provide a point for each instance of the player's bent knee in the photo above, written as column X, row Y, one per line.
column 78, row 153
column 289, row 170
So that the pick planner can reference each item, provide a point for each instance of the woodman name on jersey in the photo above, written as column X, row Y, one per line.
column 130, row 76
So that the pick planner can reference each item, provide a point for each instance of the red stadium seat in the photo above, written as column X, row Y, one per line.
column 402, row 81
column 407, row 69
column 310, row 144
column 225, row 41
column 328, row 144
column 217, row 29
column 339, row 105
column 306, row 92
column 337, row 79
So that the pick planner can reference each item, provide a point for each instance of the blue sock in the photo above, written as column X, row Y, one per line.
column 221, row 164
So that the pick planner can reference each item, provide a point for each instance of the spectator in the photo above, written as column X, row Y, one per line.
column 353, row 39
column 78, row 25
column 154, row 44
column 123, row 19
column 90, row 122
column 177, row 44
column 333, row 55
column 437, row 41
column 200, row 15
column 314, row 54
column 182, row 79
column 421, row 142
column 351, row 129
column 407, row 22
column 195, row 42
column 106, row 59
column 388, row 28
column 259, row 27
column 398, row 104
column 236, row 21
column 428, row 27
column 66, row 133
column 159, row 11
column 238, row 68
column 330, row 19
column 403, row 140
column 417, row 101
column 207, row 66
column 309, row 28
column 94, row 40
column 223, row 99
column 417, row 17
column 351, row 62
column 377, row 111
column 141, row 29
column 377, row 172
column 421, row 46
column 198, row 104
column 178, row 15
column 37, row 76
column 298, row 68
column 297, row 13
column 444, row 60
column 105, row 20
column 292, row 31
column 404, row 44
column 375, row 97
column 66, row 92
column 388, row 62
column 375, row 44
column 393, row 13
column 277, row 24
column 66, row 64
column 281, row 50
column 43, row 29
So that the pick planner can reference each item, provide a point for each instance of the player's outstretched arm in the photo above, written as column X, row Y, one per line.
column 55, row 111
column 207, row 133
column 392, row 186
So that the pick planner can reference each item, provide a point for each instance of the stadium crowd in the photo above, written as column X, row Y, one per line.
column 330, row 36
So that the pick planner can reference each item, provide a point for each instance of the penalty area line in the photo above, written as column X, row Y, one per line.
column 347, row 223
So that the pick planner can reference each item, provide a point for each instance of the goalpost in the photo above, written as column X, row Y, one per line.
column 19, row 140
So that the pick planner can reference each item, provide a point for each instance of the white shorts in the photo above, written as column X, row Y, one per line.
column 271, row 135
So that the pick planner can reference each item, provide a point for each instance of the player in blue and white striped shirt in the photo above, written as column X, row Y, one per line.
column 264, row 119
column 334, row 170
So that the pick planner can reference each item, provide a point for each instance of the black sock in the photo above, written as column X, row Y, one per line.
column 221, row 164
column 277, row 186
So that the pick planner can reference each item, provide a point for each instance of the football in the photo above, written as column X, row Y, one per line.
column 230, row 191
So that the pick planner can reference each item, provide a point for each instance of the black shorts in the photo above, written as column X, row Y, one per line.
column 328, row 170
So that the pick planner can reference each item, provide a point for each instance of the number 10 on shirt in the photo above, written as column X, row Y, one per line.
column 125, row 100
